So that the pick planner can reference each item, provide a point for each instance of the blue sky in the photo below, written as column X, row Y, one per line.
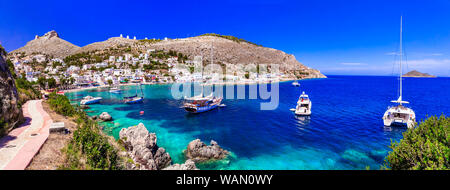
column 336, row 37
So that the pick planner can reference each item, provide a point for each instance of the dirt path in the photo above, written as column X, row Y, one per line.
column 19, row 147
column 50, row 157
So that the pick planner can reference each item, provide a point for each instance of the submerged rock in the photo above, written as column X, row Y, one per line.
column 142, row 148
column 105, row 116
column 200, row 152
column 188, row 165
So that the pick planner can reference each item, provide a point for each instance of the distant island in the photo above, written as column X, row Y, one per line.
column 418, row 74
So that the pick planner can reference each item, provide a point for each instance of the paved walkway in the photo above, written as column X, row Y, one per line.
column 18, row 148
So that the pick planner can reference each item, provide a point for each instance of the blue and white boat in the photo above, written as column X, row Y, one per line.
column 90, row 100
column 134, row 99
column 199, row 104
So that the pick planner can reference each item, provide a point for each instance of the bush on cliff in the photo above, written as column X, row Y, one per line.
column 2, row 50
column 61, row 104
column 427, row 147
column 26, row 90
column 24, row 87
column 89, row 143
column 89, row 148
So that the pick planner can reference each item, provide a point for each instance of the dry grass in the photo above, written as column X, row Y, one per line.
column 50, row 156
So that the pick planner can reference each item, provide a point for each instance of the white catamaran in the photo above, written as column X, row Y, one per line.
column 400, row 115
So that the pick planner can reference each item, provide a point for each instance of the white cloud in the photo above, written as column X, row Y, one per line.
column 354, row 64
column 439, row 67
column 393, row 53
column 430, row 63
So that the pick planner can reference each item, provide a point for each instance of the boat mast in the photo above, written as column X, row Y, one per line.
column 201, row 82
column 401, row 57
column 136, row 91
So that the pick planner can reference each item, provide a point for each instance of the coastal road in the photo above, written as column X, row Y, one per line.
column 18, row 148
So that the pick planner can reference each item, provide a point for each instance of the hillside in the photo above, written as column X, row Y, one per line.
column 226, row 50
column 418, row 74
column 50, row 44
column 111, row 42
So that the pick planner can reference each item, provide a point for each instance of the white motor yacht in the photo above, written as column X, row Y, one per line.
column 303, row 105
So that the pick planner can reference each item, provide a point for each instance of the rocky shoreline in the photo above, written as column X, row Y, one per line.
column 200, row 152
column 141, row 147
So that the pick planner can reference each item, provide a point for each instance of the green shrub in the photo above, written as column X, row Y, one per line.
column 2, row 50
column 96, row 148
column 3, row 127
column 424, row 148
column 90, row 149
column 61, row 104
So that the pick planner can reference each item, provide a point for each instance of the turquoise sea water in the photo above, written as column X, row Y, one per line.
column 345, row 130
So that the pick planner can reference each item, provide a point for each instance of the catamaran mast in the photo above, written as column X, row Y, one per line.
column 401, row 57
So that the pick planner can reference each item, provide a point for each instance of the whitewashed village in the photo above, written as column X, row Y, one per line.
column 150, row 67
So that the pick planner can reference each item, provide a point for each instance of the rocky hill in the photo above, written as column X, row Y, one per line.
column 225, row 50
column 10, row 112
column 418, row 74
column 50, row 44
column 111, row 42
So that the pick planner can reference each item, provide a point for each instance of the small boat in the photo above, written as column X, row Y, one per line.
column 303, row 105
column 90, row 100
column 199, row 104
column 115, row 90
column 134, row 99
column 296, row 84
column 399, row 115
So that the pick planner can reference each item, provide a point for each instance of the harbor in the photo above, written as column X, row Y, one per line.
column 344, row 131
